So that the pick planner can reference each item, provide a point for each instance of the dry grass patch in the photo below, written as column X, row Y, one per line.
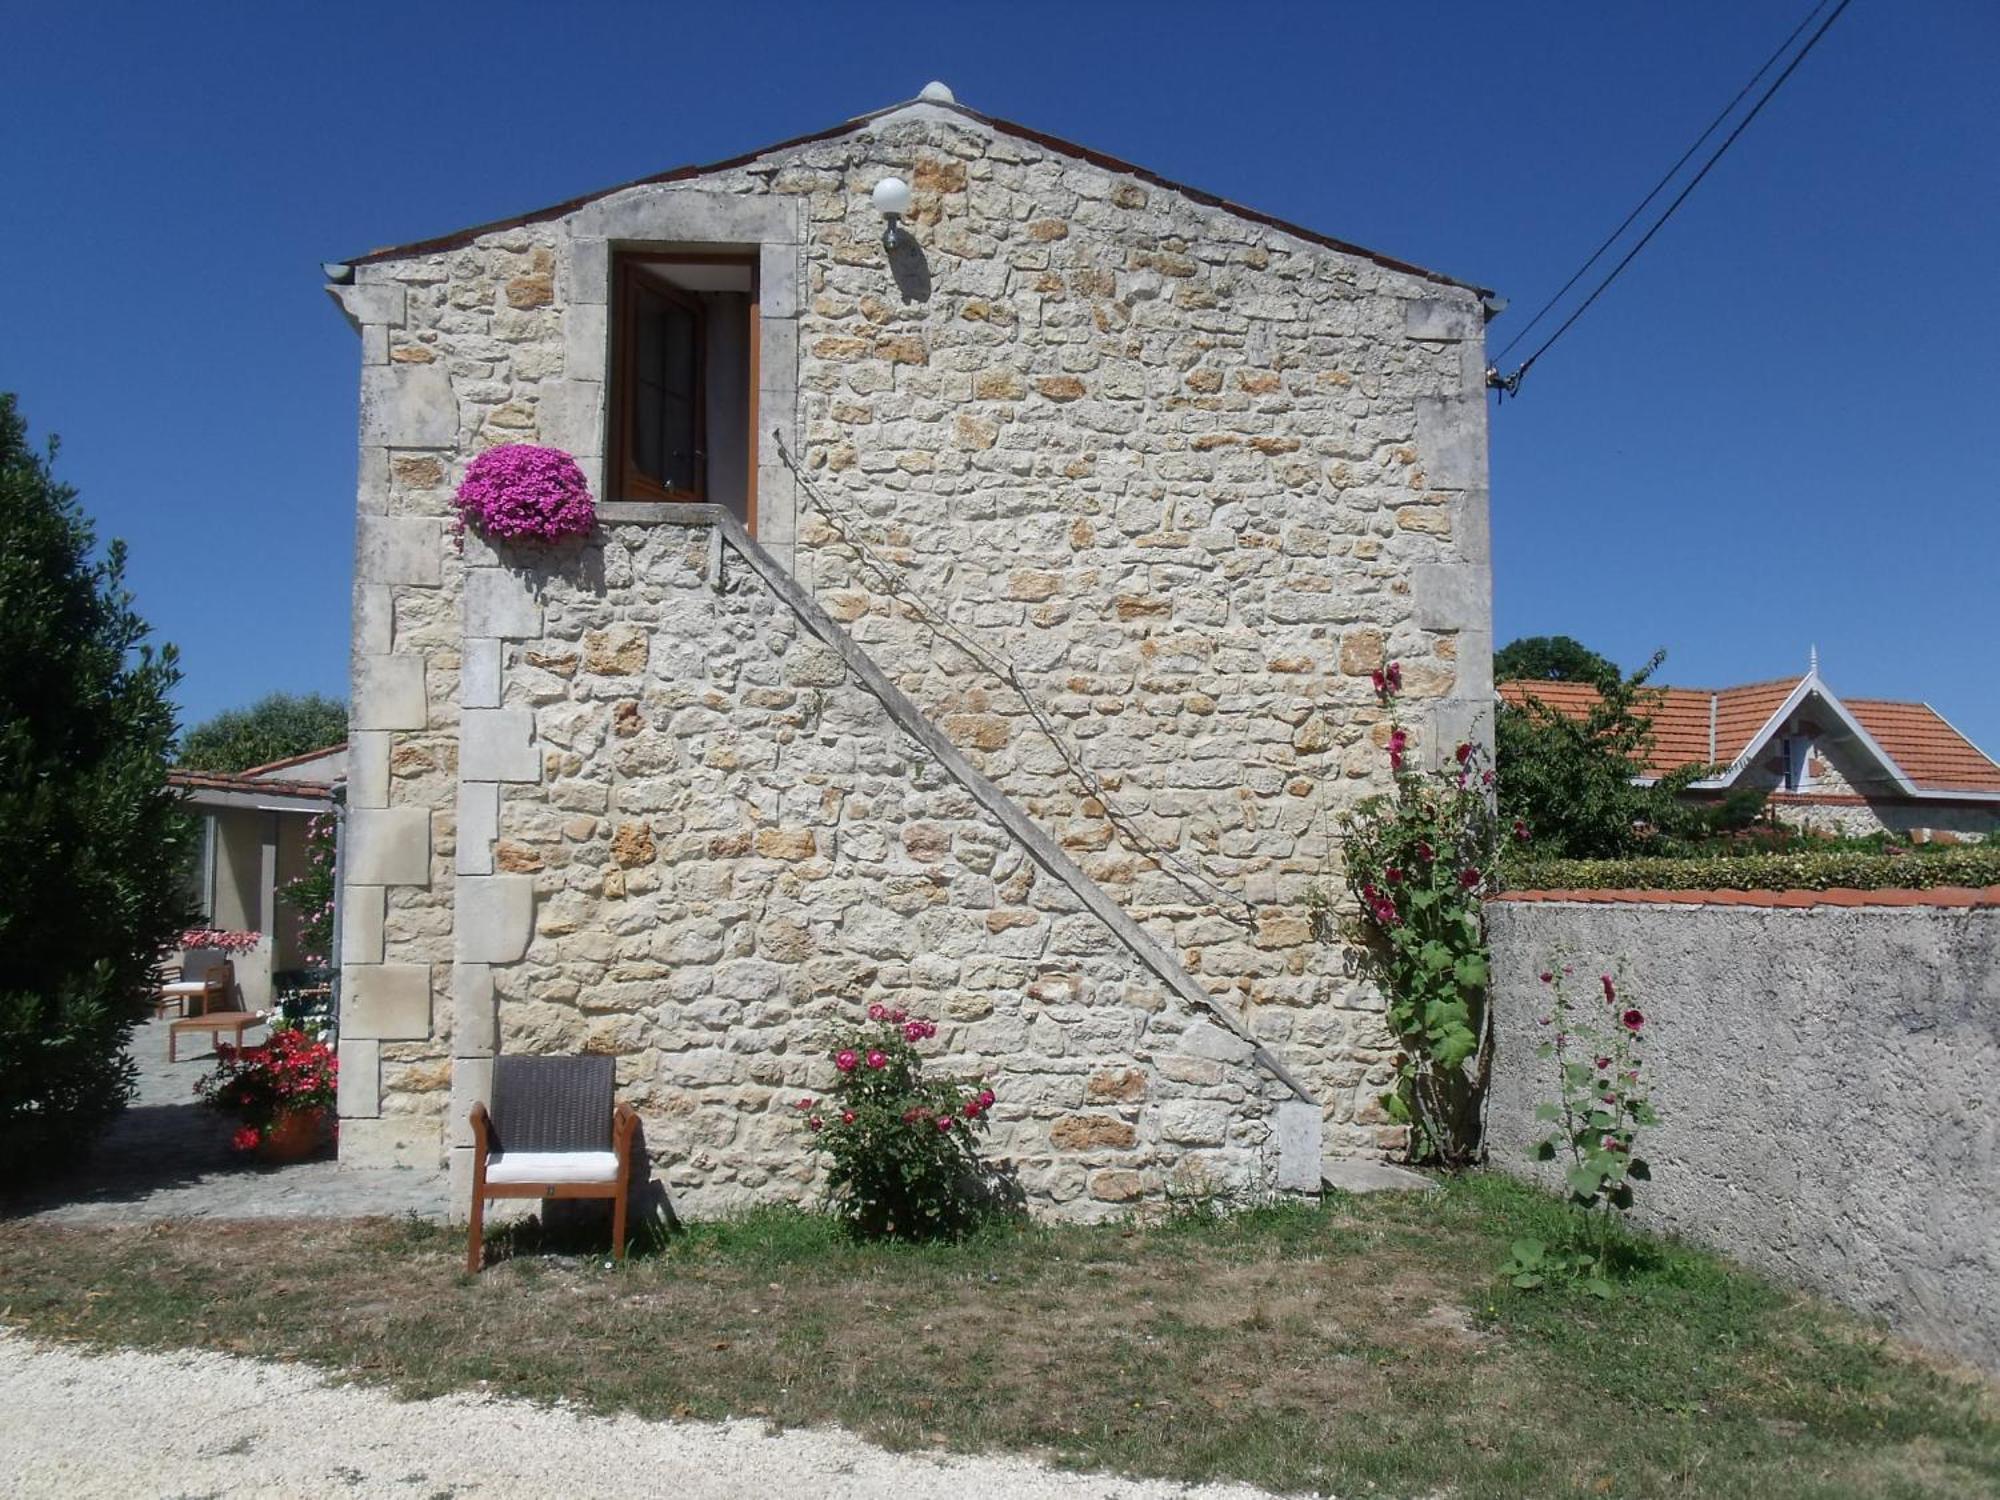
column 1363, row 1345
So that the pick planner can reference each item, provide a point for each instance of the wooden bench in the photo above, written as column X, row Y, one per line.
column 215, row 1022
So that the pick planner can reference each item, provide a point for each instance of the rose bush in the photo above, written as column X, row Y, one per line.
column 525, row 492
column 901, row 1160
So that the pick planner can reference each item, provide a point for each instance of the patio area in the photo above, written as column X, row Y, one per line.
column 166, row 1157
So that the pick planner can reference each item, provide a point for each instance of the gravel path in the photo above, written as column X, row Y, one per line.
column 128, row 1425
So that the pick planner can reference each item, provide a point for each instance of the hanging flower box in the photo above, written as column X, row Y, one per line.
column 523, row 492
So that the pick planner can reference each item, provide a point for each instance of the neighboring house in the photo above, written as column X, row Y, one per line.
column 252, row 844
column 980, row 621
column 1839, row 765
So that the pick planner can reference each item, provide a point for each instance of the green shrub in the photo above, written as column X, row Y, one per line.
column 1921, row 868
column 93, row 842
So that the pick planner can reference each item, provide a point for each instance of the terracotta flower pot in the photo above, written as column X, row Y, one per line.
column 293, row 1137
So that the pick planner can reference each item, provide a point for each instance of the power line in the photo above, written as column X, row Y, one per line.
column 1670, row 174
column 1509, row 385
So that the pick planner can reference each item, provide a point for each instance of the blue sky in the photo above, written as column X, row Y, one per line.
column 1775, row 431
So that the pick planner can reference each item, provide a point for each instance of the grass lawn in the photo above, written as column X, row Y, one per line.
column 1364, row 1347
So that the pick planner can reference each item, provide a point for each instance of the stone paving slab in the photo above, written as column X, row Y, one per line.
column 166, row 1157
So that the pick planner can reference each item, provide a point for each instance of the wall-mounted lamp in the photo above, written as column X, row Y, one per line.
column 892, row 201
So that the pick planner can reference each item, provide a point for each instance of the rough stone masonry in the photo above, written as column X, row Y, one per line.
column 1173, row 480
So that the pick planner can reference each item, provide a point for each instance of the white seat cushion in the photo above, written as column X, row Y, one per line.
column 185, row 987
column 553, row 1166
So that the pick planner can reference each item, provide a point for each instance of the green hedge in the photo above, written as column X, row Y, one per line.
column 1951, row 864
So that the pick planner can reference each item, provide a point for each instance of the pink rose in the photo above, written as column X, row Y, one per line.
column 815, row 1122
column 847, row 1117
column 877, row 1059
column 986, row 1098
column 845, row 1060
column 913, row 1031
column 877, row 1011
column 803, row 1104
column 944, row 1123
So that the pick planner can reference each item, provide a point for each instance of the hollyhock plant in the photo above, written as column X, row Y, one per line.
column 525, row 492
column 1601, row 1103
column 899, row 1147
column 220, row 939
column 1419, row 861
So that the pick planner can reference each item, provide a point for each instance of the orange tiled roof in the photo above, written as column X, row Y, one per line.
column 1933, row 755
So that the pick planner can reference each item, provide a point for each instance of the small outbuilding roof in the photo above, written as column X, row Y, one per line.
column 1923, row 754
column 929, row 105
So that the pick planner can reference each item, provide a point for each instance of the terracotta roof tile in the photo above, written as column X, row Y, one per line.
column 1935, row 756
column 1932, row 754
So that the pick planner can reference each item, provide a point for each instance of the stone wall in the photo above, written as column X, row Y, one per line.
column 1826, row 1079
column 1177, row 479
column 713, row 839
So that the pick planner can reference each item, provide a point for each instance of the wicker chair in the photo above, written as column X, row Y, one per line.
column 553, row 1132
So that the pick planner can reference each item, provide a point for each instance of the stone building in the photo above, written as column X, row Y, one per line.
column 1845, row 766
column 980, row 619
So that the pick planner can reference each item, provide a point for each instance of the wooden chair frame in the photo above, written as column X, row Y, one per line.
column 624, row 1125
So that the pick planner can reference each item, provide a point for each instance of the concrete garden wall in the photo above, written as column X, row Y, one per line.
column 1828, row 1074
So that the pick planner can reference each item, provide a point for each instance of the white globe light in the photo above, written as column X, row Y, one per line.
column 938, row 93
column 892, row 196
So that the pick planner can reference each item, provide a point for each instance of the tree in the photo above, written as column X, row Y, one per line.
column 275, row 727
column 1569, row 780
column 94, row 844
column 1550, row 658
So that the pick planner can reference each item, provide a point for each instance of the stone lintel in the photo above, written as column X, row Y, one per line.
column 388, row 846
column 407, row 406
column 497, row 744
column 361, row 910
column 478, row 826
column 499, row 604
column 494, row 918
column 389, row 693
column 1297, row 1129
column 475, row 1014
column 479, row 673
column 386, row 1002
column 358, row 1095
column 367, row 768
column 399, row 549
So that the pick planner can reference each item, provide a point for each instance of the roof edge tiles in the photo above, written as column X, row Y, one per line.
column 1109, row 163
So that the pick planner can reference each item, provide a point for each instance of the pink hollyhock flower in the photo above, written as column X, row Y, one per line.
column 1394, row 675
column 1393, row 875
column 1521, row 830
column 1548, row 977
column 1469, row 876
column 986, row 1098
column 815, row 1122
column 1610, row 989
column 1464, row 752
column 877, row 1059
column 1603, row 1063
column 1633, row 1020
column 1425, row 852
column 1381, row 681
column 1398, row 740
column 845, row 1060
column 803, row 1104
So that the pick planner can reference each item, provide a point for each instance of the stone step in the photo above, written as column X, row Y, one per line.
column 1354, row 1174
